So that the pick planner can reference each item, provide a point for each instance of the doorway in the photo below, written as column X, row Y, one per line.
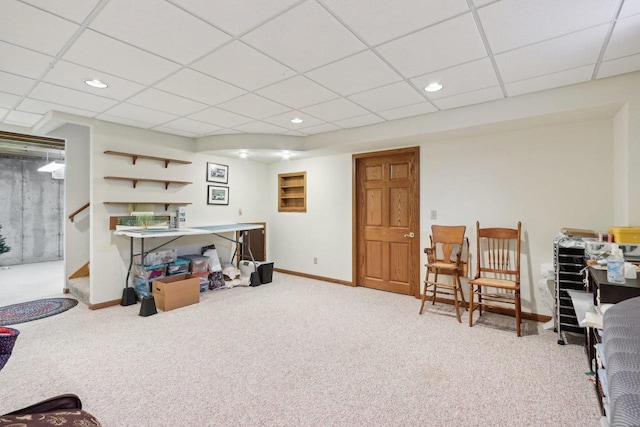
column 386, row 220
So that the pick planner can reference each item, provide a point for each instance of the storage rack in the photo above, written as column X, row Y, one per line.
column 568, row 264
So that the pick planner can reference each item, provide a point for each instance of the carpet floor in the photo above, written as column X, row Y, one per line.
column 300, row 352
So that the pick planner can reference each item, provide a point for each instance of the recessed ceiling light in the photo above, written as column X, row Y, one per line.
column 433, row 87
column 285, row 155
column 296, row 120
column 243, row 154
column 96, row 83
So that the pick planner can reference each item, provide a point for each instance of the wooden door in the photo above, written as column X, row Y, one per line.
column 387, row 221
column 258, row 243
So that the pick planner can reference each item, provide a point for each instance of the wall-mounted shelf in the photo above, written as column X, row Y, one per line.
column 136, row 180
column 166, row 204
column 135, row 157
column 292, row 192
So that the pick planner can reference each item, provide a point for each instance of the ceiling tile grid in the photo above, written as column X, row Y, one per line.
column 197, row 67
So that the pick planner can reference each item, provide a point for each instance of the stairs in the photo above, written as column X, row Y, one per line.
column 78, row 284
column 79, row 288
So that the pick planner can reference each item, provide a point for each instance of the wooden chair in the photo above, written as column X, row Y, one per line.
column 442, row 261
column 497, row 279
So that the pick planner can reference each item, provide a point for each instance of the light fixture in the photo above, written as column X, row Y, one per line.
column 433, row 87
column 296, row 120
column 243, row 154
column 53, row 166
column 285, row 155
column 96, row 83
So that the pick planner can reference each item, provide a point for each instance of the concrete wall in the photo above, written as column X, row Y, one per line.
column 31, row 212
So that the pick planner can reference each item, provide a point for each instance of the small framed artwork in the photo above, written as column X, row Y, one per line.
column 217, row 173
column 217, row 195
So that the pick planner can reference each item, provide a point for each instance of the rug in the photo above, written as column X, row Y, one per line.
column 34, row 310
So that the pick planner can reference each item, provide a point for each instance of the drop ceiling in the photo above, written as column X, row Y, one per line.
column 203, row 67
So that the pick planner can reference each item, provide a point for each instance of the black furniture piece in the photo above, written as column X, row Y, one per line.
column 63, row 410
column 568, row 263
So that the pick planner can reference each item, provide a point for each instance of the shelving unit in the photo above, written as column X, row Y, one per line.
column 166, row 204
column 292, row 192
column 135, row 157
column 568, row 265
column 135, row 181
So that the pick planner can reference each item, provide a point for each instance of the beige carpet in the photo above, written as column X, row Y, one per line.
column 299, row 352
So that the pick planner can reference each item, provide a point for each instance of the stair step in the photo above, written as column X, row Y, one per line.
column 79, row 288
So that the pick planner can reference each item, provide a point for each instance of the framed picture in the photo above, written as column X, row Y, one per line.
column 217, row 195
column 217, row 173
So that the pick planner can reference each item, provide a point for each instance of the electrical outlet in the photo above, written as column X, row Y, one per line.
column 434, row 214
column 315, row 259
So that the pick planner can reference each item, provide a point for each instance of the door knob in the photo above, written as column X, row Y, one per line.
column 409, row 235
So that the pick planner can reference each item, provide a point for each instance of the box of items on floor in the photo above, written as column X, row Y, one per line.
column 176, row 291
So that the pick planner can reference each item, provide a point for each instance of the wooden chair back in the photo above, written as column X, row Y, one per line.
column 498, row 252
column 446, row 239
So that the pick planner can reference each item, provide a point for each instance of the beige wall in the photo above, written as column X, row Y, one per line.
column 553, row 159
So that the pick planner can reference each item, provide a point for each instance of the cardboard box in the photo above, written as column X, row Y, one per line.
column 625, row 234
column 176, row 291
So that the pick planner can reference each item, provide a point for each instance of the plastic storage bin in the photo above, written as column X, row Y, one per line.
column 179, row 266
column 625, row 234
column 162, row 256
column 149, row 272
column 197, row 263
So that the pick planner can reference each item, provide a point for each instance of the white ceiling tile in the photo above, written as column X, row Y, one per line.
column 469, row 98
column 424, row 52
column 379, row 20
column 284, row 120
column 150, row 24
column 243, row 66
column 408, row 111
column 337, row 109
column 624, row 65
column 140, row 114
column 357, row 73
column 253, row 106
column 167, row 102
column 74, row 10
column 73, row 98
column 23, row 62
column 235, row 16
column 354, row 122
column 44, row 33
column 178, row 132
column 629, row 8
column 480, row 3
column 297, row 92
column 220, row 117
column 3, row 111
column 124, row 121
column 457, row 79
column 73, row 76
column 199, row 87
column 549, row 81
column 15, row 84
column 103, row 53
column 625, row 39
column 7, row 100
column 327, row 127
column 305, row 37
column 30, row 105
column 260, row 127
column 516, row 23
column 21, row 118
column 226, row 132
column 392, row 96
column 192, row 126
column 562, row 53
